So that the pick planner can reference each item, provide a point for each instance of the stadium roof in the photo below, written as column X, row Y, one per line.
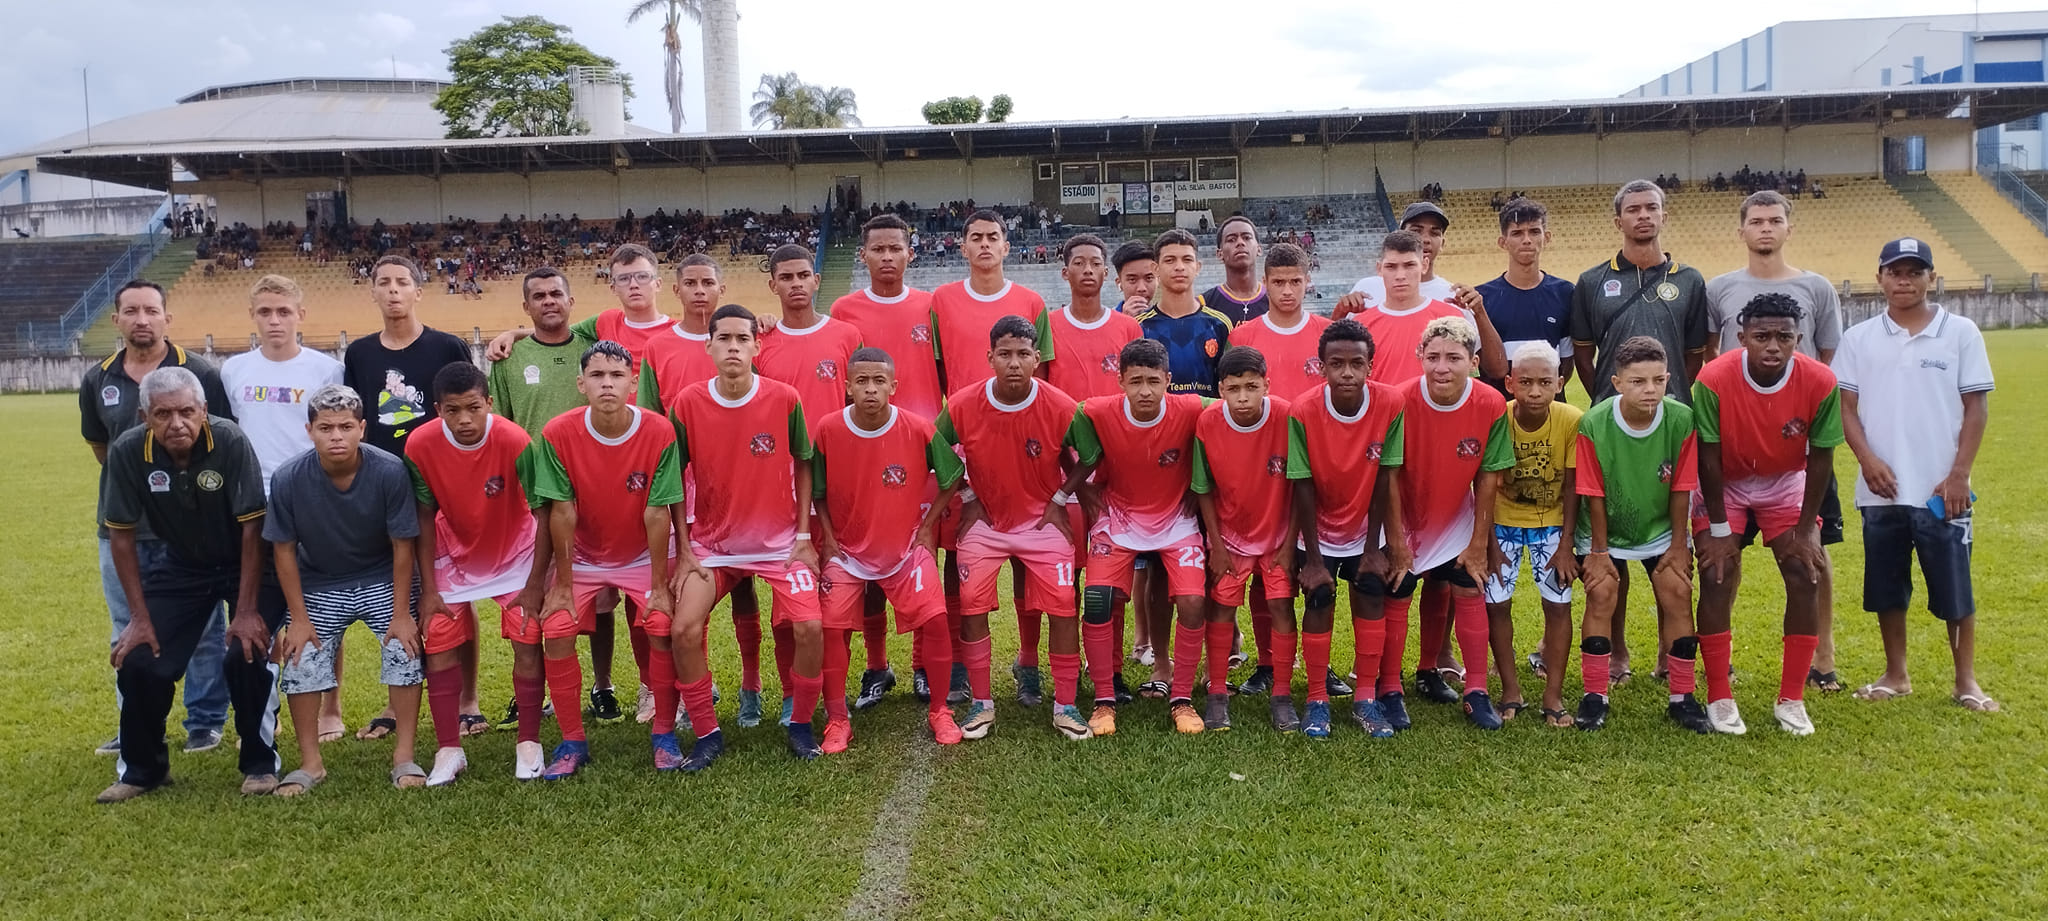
column 252, row 150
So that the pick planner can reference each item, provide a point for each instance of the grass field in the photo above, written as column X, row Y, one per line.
column 1908, row 809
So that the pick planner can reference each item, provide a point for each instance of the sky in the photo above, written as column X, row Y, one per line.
column 1058, row 59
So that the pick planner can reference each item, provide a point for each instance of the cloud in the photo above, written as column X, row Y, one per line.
column 381, row 27
column 232, row 56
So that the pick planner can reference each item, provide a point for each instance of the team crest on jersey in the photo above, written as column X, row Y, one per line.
column 1314, row 367
column 1169, row 457
column 1032, row 448
column 636, row 482
column 894, row 476
column 1372, row 451
column 920, row 333
column 211, row 480
column 1096, row 547
column 1276, row 466
column 1468, row 448
column 824, row 588
column 1612, row 288
column 110, row 395
column 159, row 481
column 762, row 445
column 1667, row 291
column 494, row 486
column 1665, row 471
column 828, row 370
column 1109, row 364
column 1794, row 429
column 1210, row 347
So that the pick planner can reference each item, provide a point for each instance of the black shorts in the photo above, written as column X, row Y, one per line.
column 1830, row 517
column 1448, row 571
column 1620, row 566
column 1892, row 534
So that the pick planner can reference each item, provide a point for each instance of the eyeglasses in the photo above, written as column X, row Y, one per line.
column 630, row 279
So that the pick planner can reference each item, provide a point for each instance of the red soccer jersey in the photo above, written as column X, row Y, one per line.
column 484, row 524
column 1396, row 336
column 1143, row 468
column 742, row 455
column 1445, row 448
column 1246, row 470
column 901, row 326
column 813, row 360
column 1087, row 362
column 672, row 364
column 961, row 320
column 1766, row 431
column 612, row 324
column 613, row 481
column 874, row 485
column 1012, row 452
column 1292, row 365
column 1343, row 457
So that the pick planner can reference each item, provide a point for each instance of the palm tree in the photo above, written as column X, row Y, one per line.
column 836, row 108
column 673, row 12
column 784, row 101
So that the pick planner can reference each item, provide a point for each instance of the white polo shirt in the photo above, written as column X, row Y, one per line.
column 1909, row 396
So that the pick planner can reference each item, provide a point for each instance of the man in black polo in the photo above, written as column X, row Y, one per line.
column 1642, row 291
column 194, row 480
column 108, row 406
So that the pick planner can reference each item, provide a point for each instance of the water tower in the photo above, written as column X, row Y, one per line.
column 597, row 98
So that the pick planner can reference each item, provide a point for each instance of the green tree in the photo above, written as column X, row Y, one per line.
column 673, row 13
column 953, row 110
column 511, row 79
column 999, row 108
column 786, row 101
column 836, row 108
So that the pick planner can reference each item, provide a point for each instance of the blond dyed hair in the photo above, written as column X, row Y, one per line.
column 1456, row 329
column 277, row 284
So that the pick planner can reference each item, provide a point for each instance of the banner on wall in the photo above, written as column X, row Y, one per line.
column 1209, row 188
column 1162, row 197
column 1137, row 198
column 1112, row 197
column 1080, row 194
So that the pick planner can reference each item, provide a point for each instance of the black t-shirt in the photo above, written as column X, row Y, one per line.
column 110, row 403
column 197, row 510
column 397, row 387
column 1238, row 311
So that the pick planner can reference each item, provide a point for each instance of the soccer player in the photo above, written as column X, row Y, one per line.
column 1086, row 334
column 1769, row 419
column 1637, row 469
column 807, row 350
column 636, row 281
column 612, row 474
column 1397, row 322
column 1137, row 278
column 1765, row 224
column 1525, row 304
column 1343, row 454
column 1137, row 275
column 1240, row 485
column 1916, row 396
column 1240, row 297
column 197, row 482
column 1011, row 429
column 875, row 464
column 1140, row 446
column 1429, row 223
column 477, row 541
column 1194, row 334
column 1537, row 505
column 744, row 439
column 1286, row 336
column 1455, row 435
column 344, row 526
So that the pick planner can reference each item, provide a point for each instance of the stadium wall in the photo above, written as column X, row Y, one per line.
column 122, row 216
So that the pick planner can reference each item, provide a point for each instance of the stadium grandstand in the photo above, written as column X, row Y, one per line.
column 314, row 178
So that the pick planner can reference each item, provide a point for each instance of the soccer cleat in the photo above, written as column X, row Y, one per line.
column 1123, row 689
column 1216, row 712
column 205, row 740
column 980, row 721
column 1394, row 705
column 1792, row 717
column 1030, row 693
column 1261, row 681
column 1726, row 717
column 1102, row 720
column 956, row 688
column 1067, row 719
column 1317, row 724
column 569, row 757
column 944, row 730
column 109, row 747
column 1372, row 718
column 1185, row 720
column 788, row 714
column 1479, row 709
column 920, row 686
column 604, row 706
column 1335, row 686
column 643, row 711
column 874, row 683
column 1281, row 709
column 1430, row 683
column 838, row 735
column 511, row 721
column 668, row 753
column 449, row 763
column 1592, row 712
column 750, row 710
column 526, row 761
column 707, row 750
column 1688, row 714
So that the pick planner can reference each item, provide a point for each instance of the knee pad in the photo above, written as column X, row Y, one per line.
column 1096, row 602
column 1322, row 597
column 1596, row 646
column 1685, row 647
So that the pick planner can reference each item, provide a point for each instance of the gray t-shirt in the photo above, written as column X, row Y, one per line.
column 344, row 536
column 1820, row 328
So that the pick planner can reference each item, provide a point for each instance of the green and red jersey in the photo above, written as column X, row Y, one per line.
column 1245, row 468
column 1143, row 468
column 1342, row 455
column 1766, row 431
column 613, row 482
column 1636, row 471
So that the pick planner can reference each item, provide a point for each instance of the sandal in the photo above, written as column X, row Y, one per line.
column 1976, row 703
column 1509, row 709
column 298, row 783
column 1557, row 719
column 475, row 724
column 378, row 728
column 332, row 731
column 1825, row 682
column 408, row 772
column 1622, row 677
column 1153, row 690
column 1875, row 691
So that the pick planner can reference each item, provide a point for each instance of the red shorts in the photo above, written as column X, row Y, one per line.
column 1048, row 568
column 1229, row 590
column 949, row 520
column 1773, row 501
column 794, row 589
column 634, row 584
column 911, row 591
column 1111, row 565
column 1077, row 522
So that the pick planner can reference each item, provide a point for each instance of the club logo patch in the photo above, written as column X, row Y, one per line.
column 1313, row 366
column 825, row 588
column 1667, row 291
column 110, row 395
column 1468, row 448
column 1612, row 288
column 920, row 333
column 532, row 375
column 1210, row 347
column 894, row 476
column 1372, row 451
column 828, row 370
column 1096, row 547
column 762, row 445
column 159, row 481
column 494, row 486
column 1664, row 472
column 1032, row 448
column 1794, row 429
column 211, row 480
column 1109, row 364
column 1169, row 457
column 636, row 482
column 1276, row 466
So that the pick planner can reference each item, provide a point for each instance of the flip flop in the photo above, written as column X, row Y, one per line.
column 1875, row 691
column 1621, row 677
column 332, row 732
column 1976, row 703
column 299, row 782
column 1824, row 682
column 1557, row 719
column 1509, row 709
column 378, row 728
column 259, row 784
column 405, row 772
column 475, row 724
column 1153, row 690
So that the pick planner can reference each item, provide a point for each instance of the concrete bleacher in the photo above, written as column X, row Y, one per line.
column 44, row 278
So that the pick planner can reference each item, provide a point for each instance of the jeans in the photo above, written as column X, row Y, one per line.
column 206, row 687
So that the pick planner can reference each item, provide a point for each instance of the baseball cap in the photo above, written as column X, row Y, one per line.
column 1905, row 248
column 1421, row 208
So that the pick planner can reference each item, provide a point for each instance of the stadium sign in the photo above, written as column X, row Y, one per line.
column 1165, row 192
